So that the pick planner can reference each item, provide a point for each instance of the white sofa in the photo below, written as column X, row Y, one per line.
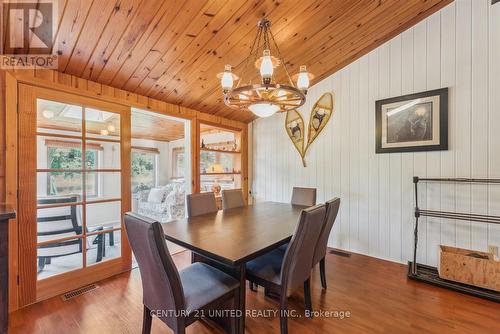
column 164, row 203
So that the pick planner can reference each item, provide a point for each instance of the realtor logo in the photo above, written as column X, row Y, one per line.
column 28, row 29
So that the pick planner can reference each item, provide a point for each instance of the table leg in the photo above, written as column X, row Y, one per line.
column 4, row 276
column 242, row 278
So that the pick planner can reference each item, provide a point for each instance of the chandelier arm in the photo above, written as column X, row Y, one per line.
column 281, row 59
column 287, row 104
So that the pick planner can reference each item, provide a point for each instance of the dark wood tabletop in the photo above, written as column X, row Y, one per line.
column 237, row 235
column 6, row 212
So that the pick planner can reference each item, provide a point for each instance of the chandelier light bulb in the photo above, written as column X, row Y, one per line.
column 303, row 79
column 227, row 78
column 266, row 67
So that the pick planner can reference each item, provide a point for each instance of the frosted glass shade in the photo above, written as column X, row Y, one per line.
column 263, row 109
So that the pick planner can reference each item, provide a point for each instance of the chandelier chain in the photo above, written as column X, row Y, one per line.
column 282, row 60
column 255, row 46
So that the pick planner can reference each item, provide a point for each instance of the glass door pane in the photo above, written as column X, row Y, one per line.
column 77, row 225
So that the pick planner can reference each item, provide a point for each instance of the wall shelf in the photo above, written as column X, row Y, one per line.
column 218, row 151
column 224, row 173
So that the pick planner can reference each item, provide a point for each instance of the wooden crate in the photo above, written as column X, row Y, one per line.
column 456, row 264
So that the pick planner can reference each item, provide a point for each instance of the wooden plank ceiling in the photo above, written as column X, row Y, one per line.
column 172, row 50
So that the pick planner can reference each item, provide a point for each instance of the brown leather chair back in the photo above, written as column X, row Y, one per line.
column 303, row 196
column 161, row 284
column 200, row 204
column 232, row 198
column 298, row 258
column 332, row 209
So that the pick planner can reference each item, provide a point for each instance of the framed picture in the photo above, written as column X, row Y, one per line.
column 412, row 123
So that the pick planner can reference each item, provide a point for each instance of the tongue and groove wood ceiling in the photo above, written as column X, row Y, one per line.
column 172, row 50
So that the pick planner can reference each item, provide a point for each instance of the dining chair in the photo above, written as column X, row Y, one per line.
column 332, row 209
column 303, row 196
column 175, row 297
column 281, row 274
column 200, row 204
column 232, row 198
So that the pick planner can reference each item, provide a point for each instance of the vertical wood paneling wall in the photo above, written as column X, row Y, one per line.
column 457, row 47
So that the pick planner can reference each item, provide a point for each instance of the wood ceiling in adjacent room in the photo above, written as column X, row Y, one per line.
column 172, row 50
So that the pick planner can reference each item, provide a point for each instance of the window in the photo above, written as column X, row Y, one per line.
column 143, row 170
column 67, row 183
column 178, row 162
column 216, row 162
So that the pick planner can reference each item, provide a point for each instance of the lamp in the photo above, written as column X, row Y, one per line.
column 266, row 97
column 303, row 79
column 266, row 67
column 227, row 78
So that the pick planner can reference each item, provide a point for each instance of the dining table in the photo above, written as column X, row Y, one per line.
column 228, row 239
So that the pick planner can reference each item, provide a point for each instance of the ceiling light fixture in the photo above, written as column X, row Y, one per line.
column 267, row 96
column 48, row 114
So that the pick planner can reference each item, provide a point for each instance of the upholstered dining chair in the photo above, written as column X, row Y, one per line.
column 303, row 196
column 175, row 297
column 232, row 198
column 332, row 209
column 200, row 204
column 283, row 274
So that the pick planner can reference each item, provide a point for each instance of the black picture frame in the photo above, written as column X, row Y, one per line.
column 442, row 145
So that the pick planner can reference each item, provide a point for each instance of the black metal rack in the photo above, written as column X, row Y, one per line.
column 430, row 274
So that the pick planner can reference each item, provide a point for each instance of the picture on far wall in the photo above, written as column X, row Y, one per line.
column 412, row 123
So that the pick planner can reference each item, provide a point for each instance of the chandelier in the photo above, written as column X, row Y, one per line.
column 265, row 97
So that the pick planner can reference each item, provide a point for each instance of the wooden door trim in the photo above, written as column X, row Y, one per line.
column 11, row 177
column 47, row 288
column 27, row 272
column 29, row 79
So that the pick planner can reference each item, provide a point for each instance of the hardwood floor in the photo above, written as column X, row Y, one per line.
column 377, row 294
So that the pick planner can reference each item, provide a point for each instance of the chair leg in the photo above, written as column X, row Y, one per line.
column 307, row 296
column 111, row 238
column 253, row 287
column 322, row 273
column 100, row 248
column 146, row 321
column 41, row 263
column 283, row 314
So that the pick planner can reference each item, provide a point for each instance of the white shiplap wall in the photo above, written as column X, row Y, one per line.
column 457, row 47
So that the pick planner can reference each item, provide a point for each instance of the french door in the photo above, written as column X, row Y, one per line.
column 74, row 187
